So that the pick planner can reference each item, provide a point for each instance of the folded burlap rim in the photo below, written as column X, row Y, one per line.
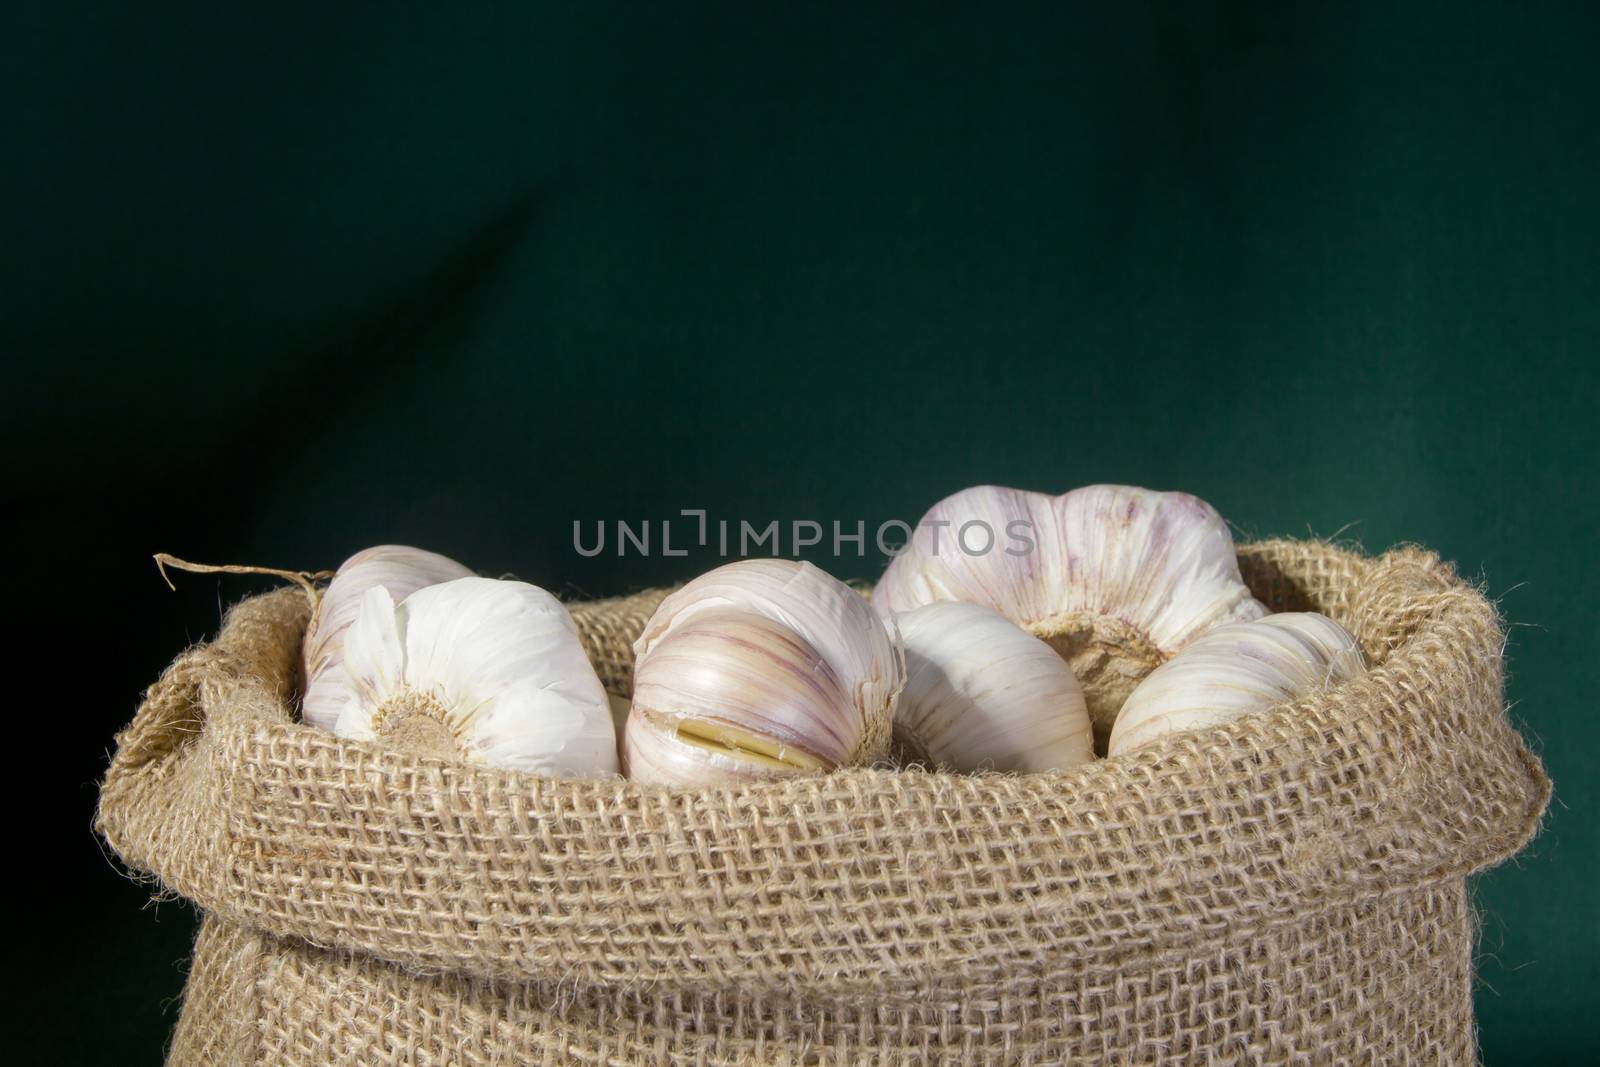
column 864, row 880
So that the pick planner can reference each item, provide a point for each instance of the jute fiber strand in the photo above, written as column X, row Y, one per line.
column 1286, row 888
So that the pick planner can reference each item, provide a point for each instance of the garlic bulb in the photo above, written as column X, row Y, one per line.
column 1115, row 579
column 401, row 570
column 983, row 694
column 759, row 669
column 1238, row 668
column 478, row 669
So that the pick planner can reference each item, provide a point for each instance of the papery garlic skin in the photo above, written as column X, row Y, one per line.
column 1238, row 668
column 1116, row 579
column 983, row 694
column 488, row 671
column 399, row 569
column 760, row 669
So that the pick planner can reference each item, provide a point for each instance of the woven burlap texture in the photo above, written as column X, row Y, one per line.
column 1286, row 888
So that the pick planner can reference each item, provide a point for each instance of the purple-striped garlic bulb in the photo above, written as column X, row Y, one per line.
column 763, row 668
column 1116, row 579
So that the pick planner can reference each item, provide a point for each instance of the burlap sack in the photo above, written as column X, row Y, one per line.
column 1288, row 888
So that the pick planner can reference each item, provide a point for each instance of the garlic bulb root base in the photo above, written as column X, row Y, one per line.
column 419, row 725
column 1107, row 656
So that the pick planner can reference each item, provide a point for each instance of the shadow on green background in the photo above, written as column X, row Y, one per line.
column 284, row 285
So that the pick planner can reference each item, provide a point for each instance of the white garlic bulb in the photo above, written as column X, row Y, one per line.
column 983, row 694
column 1116, row 579
column 1238, row 668
column 759, row 669
column 477, row 669
column 401, row 570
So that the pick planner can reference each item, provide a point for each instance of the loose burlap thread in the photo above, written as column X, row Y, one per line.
column 1286, row 888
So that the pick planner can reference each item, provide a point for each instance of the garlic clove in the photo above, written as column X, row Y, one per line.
column 1238, row 668
column 399, row 569
column 983, row 694
column 758, row 669
column 1116, row 579
column 488, row 671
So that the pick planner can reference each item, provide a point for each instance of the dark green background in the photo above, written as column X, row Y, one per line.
column 283, row 283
